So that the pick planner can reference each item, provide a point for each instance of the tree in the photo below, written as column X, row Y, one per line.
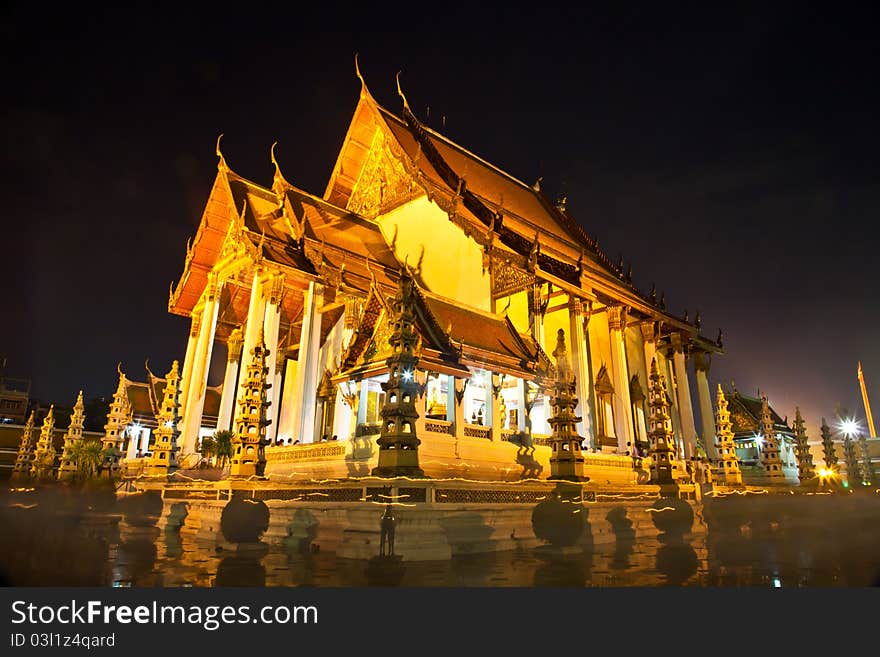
column 208, row 448
column 223, row 446
column 88, row 456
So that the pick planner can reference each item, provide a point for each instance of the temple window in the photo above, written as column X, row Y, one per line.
column 437, row 392
column 605, row 408
column 477, row 397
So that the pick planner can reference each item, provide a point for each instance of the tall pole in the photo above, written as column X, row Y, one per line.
column 867, row 403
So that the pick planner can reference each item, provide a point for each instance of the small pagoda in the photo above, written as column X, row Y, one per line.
column 829, row 453
column 250, row 423
column 25, row 458
column 398, row 443
column 853, row 471
column 118, row 420
column 566, row 460
column 44, row 455
column 728, row 464
column 164, row 445
column 72, row 438
column 868, row 474
column 806, row 469
column 660, row 437
column 770, row 449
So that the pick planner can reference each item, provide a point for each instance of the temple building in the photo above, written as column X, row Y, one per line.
column 746, row 417
column 497, row 269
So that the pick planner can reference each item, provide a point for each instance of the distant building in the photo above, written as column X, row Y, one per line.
column 14, row 395
column 145, row 398
column 745, row 416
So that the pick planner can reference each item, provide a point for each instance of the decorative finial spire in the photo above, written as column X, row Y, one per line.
column 400, row 92
column 653, row 293
column 221, row 164
column 560, row 203
column 718, row 340
column 663, row 300
column 357, row 72
column 686, row 318
column 537, row 185
column 698, row 322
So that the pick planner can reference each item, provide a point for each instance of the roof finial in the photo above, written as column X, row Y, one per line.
column 537, row 185
column 357, row 72
column 119, row 368
column 698, row 321
column 718, row 340
column 221, row 164
column 400, row 92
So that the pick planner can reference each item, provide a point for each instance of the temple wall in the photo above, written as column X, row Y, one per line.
column 600, row 343
column 450, row 264
column 517, row 311
column 553, row 321
column 635, row 356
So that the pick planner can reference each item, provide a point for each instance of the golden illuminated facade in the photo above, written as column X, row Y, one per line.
column 73, row 436
column 497, row 270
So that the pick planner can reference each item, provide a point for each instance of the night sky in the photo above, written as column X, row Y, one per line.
column 731, row 157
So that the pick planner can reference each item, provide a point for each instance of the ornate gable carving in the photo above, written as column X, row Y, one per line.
column 384, row 181
column 509, row 278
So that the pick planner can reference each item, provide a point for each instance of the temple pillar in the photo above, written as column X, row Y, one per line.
column 580, row 367
column 623, row 420
column 702, row 360
column 272, row 321
column 685, row 408
column 195, row 400
column 289, row 400
column 494, row 420
column 536, row 314
column 307, row 370
column 131, row 451
column 190, row 355
column 458, row 389
column 145, row 441
column 521, row 405
column 363, row 395
column 227, row 399
column 274, row 411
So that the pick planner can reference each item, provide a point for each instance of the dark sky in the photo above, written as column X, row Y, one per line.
column 731, row 156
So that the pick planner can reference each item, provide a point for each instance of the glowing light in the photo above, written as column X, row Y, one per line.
column 849, row 427
column 759, row 439
column 406, row 375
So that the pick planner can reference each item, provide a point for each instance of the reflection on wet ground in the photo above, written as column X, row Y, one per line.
column 749, row 544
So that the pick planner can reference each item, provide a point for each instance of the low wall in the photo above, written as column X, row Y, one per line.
column 441, row 456
column 434, row 520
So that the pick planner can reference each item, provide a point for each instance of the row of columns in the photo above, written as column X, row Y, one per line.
column 676, row 371
column 263, row 322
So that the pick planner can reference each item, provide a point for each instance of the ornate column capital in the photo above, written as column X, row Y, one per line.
column 196, row 324
column 677, row 343
column 576, row 306
column 617, row 316
column 212, row 289
column 273, row 288
column 702, row 360
column 234, row 343
column 650, row 331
